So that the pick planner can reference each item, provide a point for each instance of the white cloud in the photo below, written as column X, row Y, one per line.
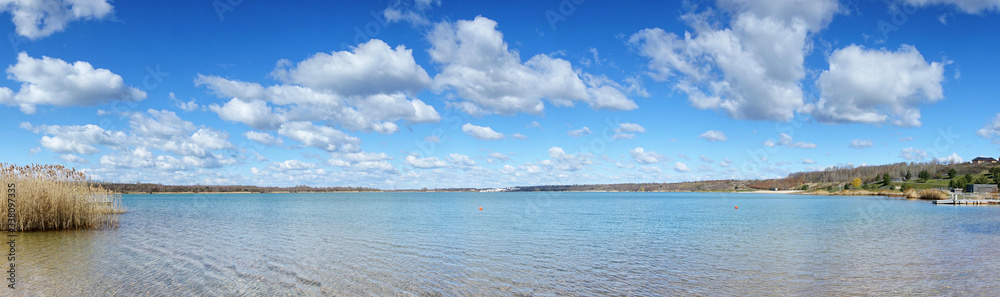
column 681, row 167
column 535, row 125
column 625, row 130
column 622, row 136
column 713, row 136
column 913, row 154
column 322, row 137
column 877, row 86
column 461, row 160
column 140, row 157
column 519, row 136
column 991, row 130
column 861, row 143
column 370, row 68
column 254, row 113
column 499, row 157
column 953, row 159
column 361, row 90
column 291, row 165
column 76, row 139
column 71, row 158
column 630, row 127
column 651, row 169
column 639, row 155
column 706, row 159
column 425, row 163
column 262, row 138
column 159, row 124
column 36, row 19
column 786, row 140
column 51, row 81
column 750, row 70
column 490, row 78
column 363, row 162
column 200, row 144
column 579, row 132
column 404, row 11
column 808, row 161
column 967, row 6
column 432, row 138
column 188, row 106
column 481, row 133
column 567, row 162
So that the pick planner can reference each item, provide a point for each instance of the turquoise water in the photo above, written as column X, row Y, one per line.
column 521, row 244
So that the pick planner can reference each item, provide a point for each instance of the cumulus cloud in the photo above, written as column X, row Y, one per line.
column 461, row 160
column 370, row 68
column 967, row 6
column 425, row 163
column 913, row 154
column 562, row 161
column 51, row 81
column 321, row 137
column 861, row 143
column 877, row 86
column 651, row 169
column 365, row 89
column 77, row 139
column 256, row 114
column 363, row 162
column 36, row 19
column 262, row 138
column 786, row 140
column 750, row 70
column 627, row 130
column 71, row 158
column 991, row 130
column 681, row 167
column 291, row 165
column 713, row 136
column 498, row 157
column 579, row 132
column 479, row 67
column 481, row 133
column 953, row 159
column 413, row 12
column 641, row 156
column 808, row 161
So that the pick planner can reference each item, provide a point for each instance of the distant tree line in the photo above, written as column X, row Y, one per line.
column 158, row 188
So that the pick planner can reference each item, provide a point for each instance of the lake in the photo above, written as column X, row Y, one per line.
column 520, row 244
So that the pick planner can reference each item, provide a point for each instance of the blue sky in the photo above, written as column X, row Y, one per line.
column 412, row 94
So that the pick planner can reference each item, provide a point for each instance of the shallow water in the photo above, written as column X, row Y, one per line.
column 520, row 244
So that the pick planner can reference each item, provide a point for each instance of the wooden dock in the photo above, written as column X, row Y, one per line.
column 971, row 199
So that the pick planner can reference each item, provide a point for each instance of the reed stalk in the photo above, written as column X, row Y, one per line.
column 53, row 197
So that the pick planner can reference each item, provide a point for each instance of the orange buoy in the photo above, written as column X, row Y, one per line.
column 736, row 207
column 480, row 208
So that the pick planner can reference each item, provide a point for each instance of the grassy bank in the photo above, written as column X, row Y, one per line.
column 52, row 197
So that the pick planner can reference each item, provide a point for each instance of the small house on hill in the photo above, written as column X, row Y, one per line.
column 983, row 160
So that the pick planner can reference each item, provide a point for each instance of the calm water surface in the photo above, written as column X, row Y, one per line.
column 521, row 244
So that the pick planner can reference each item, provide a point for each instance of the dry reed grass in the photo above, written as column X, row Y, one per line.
column 53, row 197
column 932, row 194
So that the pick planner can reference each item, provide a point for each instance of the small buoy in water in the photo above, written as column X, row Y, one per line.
column 480, row 208
column 736, row 207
